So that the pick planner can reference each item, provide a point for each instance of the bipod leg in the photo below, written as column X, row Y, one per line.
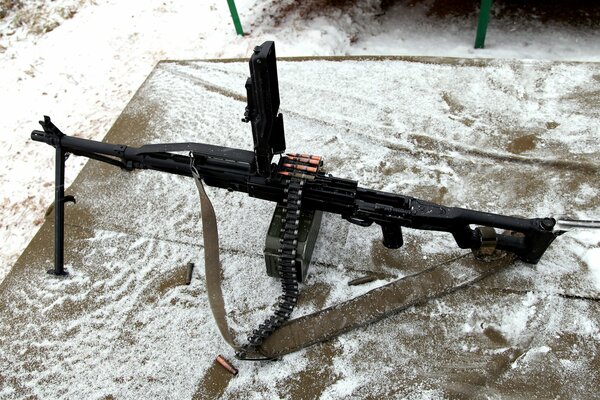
column 59, row 212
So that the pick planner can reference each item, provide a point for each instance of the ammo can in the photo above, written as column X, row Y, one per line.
column 310, row 222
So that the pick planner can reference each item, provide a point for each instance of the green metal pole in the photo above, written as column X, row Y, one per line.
column 484, row 18
column 235, row 17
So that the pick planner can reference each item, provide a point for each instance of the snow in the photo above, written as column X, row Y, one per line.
column 592, row 259
column 84, row 71
column 133, row 330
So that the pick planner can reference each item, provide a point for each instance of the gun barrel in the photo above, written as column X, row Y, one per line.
column 72, row 144
column 566, row 224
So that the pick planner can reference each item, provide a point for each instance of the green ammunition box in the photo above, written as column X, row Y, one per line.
column 310, row 222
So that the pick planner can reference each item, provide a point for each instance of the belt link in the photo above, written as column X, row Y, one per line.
column 289, row 167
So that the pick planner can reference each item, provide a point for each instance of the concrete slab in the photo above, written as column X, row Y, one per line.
column 505, row 136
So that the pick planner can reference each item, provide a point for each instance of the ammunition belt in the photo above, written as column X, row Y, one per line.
column 297, row 169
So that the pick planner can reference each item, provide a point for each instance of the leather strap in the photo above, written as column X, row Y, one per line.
column 380, row 303
column 212, row 264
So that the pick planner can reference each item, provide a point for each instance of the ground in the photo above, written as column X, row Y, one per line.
column 124, row 324
column 82, row 61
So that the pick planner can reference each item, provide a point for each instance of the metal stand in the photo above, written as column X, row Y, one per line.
column 235, row 17
column 482, row 23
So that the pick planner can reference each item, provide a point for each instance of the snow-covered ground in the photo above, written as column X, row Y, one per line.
column 133, row 332
column 80, row 62
column 474, row 134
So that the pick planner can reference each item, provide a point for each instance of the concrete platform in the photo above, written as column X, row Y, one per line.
column 505, row 136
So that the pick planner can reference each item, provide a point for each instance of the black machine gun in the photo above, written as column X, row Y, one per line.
column 297, row 183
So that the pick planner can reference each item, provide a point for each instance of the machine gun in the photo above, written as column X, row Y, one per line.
column 302, row 191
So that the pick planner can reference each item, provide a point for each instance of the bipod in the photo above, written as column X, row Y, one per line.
column 59, row 195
